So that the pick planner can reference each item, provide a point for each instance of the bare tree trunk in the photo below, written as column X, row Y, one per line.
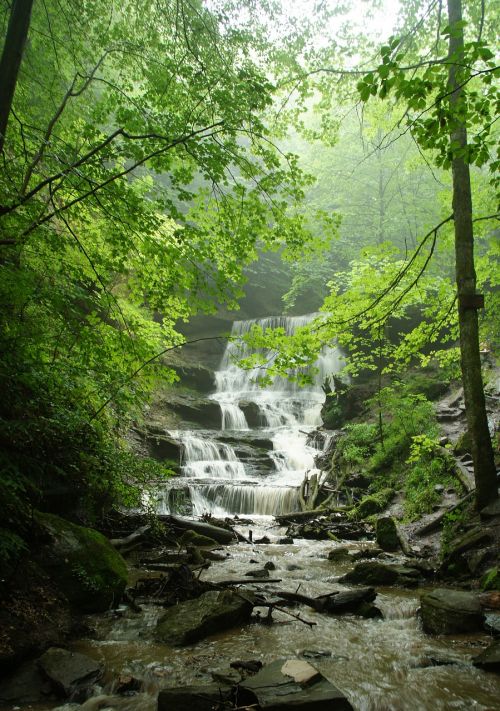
column 12, row 55
column 468, row 301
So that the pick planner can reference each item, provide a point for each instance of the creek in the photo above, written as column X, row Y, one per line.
column 252, row 466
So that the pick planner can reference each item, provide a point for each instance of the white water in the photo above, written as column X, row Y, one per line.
column 218, row 482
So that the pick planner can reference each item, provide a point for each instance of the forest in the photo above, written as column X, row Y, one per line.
column 249, row 340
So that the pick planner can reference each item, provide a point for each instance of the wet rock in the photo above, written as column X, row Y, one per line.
column 196, row 377
column 126, row 684
column 386, row 534
column 252, row 413
column 286, row 541
column 258, row 573
column 492, row 624
column 293, row 566
column 315, row 654
column 194, row 698
column 349, row 600
column 155, row 443
column 82, row 562
column 252, row 666
column 291, row 684
column 366, row 554
column 212, row 612
column 445, row 611
column 226, row 677
column 199, row 410
column 341, row 554
column 69, row 672
column 270, row 565
column 264, row 540
column 25, row 686
column 377, row 573
column 489, row 659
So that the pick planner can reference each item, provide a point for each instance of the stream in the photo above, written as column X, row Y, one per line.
column 252, row 466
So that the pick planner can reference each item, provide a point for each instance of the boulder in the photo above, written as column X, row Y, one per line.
column 291, row 684
column 456, row 562
column 202, row 411
column 445, row 611
column 374, row 572
column 196, row 377
column 350, row 601
column 193, row 620
column 386, row 534
column 489, row 659
column 70, row 673
column 82, row 563
column 252, row 413
column 194, row 698
column 491, row 511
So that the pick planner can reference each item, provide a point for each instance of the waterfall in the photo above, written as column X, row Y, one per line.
column 213, row 476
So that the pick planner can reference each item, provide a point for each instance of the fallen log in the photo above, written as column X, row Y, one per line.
column 436, row 522
column 131, row 540
column 221, row 535
column 247, row 581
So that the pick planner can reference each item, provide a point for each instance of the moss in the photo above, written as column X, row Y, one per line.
column 373, row 503
column 387, row 534
column 491, row 580
column 463, row 444
column 427, row 384
column 82, row 562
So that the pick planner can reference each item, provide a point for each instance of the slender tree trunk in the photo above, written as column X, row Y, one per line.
column 12, row 55
column 477, row 422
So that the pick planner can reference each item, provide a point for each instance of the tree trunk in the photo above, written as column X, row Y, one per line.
column 12, row 55
column 477, row 422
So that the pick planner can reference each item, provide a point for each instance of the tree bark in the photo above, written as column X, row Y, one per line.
column 12, row 55
column 477, row 422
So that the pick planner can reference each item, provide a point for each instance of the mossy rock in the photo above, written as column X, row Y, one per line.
column 463, row 445
column 192, row 538
column 82, row 563
column 373, row 503
column 427, row 384
column 491, row 580
column 386, row 533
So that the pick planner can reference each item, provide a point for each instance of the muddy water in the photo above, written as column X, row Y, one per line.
column 378, row 664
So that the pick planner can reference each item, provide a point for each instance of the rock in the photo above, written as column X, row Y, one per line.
column 126, row 684
column 155, row 443
column 194, row 698
column 341, row 554
column 214, row 611
column 492, row 510
column 293, row 566
column 315, row 654
column 386, row 534
column 25, row 686
column 199, row 410
column 192, row 538
column 446, row 611
column 270, row 565
column 286, row 541
column 196, row 377
column 374, row 503
column 456, row 560
column 489, row 659
column 264, row 540
column 251, row 666
column 349, row 600
column 69, row 672
column 492, row 623
column 278, row 687
column 258, row 573
column 82, row 562
column 252, row 413
column 373, row 572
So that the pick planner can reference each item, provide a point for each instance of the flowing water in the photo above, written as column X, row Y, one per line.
column 282, row 415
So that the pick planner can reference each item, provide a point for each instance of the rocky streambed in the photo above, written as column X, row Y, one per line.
column 355, row 642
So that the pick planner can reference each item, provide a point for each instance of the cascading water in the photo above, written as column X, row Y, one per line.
column 283, row 413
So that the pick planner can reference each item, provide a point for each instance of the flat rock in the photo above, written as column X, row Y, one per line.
column 446, row 611
column 194, row 698
column 212, row 612
column 489, row 659
column 275, row 688
column 69, row 671
column 374, row 572
column 350, row 600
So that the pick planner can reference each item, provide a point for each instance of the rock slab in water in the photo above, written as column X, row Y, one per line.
column 489, row 659
column 193, row 698
column 69, row 672
column 278, row 687
column 373, row 572
column 447, row 611
column 212, row 612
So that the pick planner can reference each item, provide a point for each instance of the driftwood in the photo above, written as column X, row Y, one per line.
column 132, row 540
column 304, row 515
column 247, row 581
column 221, row 535
column 436, row 523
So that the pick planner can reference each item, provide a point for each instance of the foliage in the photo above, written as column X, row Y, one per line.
column 358, row 444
